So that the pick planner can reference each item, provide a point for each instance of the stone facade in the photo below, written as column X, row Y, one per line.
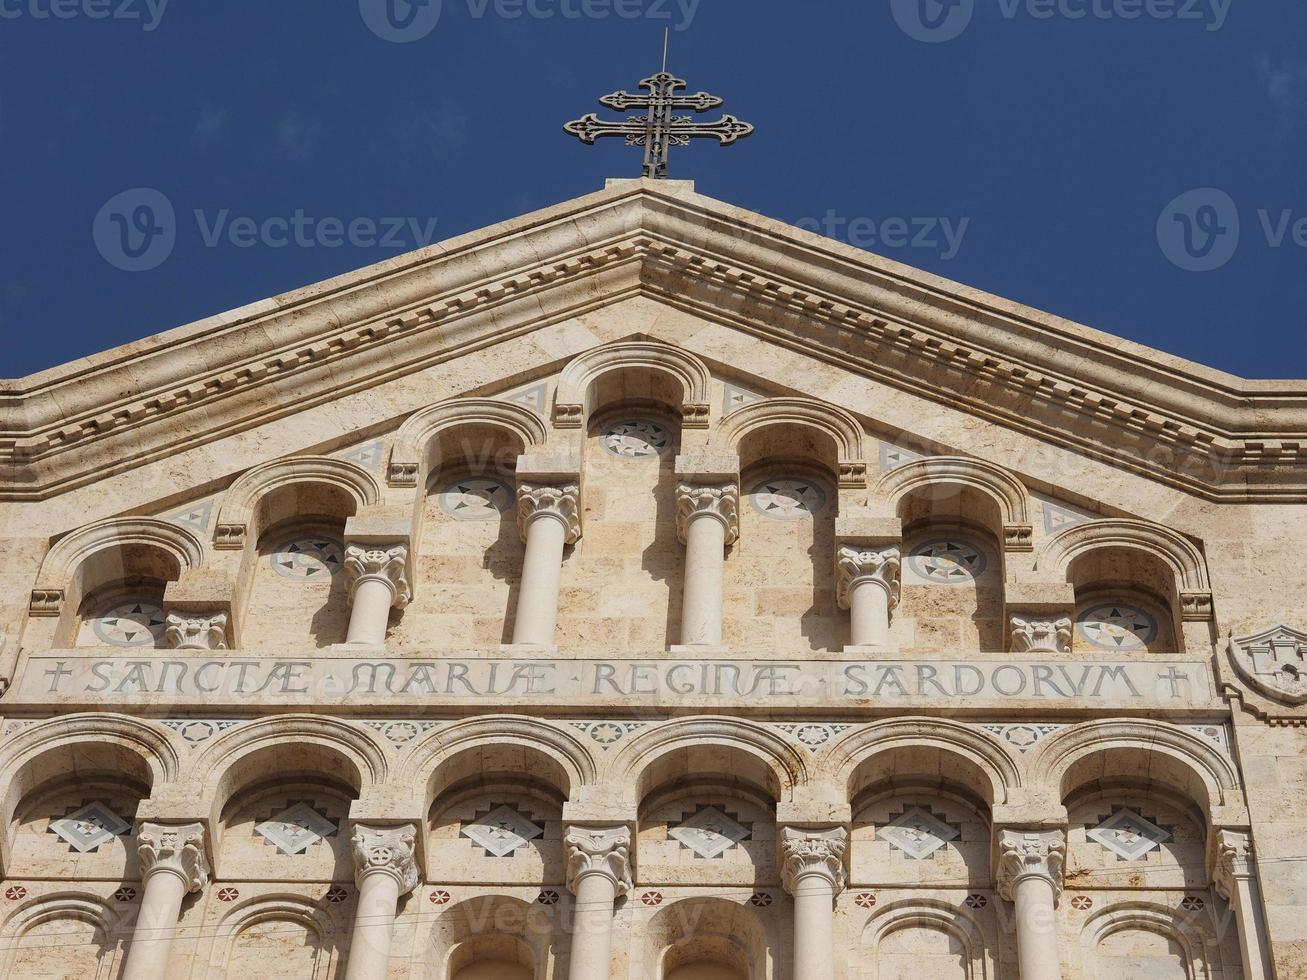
column 645, row 589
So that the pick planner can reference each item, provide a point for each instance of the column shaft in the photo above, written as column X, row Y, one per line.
column 814, row 927
column 371, row 613
column 542, row 572
column 705, row 568
column 592, row 927
column 374, row 925
column 1035, row 900
column 869, row 613
column 156, row 924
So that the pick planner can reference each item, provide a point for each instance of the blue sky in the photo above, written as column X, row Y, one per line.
column 1093, row 158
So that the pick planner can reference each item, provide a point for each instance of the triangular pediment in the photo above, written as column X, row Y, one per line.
column 762, row 286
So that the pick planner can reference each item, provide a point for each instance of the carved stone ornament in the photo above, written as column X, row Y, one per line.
column 605, row 851
column 698, row 502
column 1041, row 635
column 1273, row 662
column 196, row 631
column 176, row 850
column 560, row 503
column 853, row 566
column 378, row 563
column 813, row 852
column 1030, row 854
column 1234, row 861
column 386, row 850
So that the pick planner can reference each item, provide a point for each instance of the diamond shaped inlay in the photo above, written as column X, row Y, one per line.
column 1129, row 835
column 295, row 830
column 918, row 833
column 86, row 829
column 710, row 832
column 502, row 831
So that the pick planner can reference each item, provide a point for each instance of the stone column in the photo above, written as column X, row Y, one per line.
column 1030, row 867
column 385, row 869
column 598, row 873
column 707, row 520
column 378, row 580
column 812, row 870
column 867, row 584
column 549, row 519
column 172, row 865
column 1236, row 882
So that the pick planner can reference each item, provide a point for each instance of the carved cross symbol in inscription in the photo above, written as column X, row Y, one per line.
column 660, row 129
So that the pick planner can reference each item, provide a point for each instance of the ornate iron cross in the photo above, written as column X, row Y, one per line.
column 661, row 129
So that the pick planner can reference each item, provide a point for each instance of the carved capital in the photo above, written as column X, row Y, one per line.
column 1041, row 635
column 1196, row 607
column 1234, row 861
column 856, row 567
column 174, row 849
column 196, row 631
column 720, row 503
column 560, row 503
column 1018, row 537
column 805, row 853
column 46, row 602
column 1030, row 854
column 599, row 851
column 378, row 563
column 386, row 851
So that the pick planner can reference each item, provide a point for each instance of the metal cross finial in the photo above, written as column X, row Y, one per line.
column 661, row 129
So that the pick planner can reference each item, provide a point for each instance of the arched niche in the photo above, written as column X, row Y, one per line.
column 492, row 957
column 1151, row 939
column 913, row 938
column 478, row 435
column 960, row 489
column 633, row 372
column 802, row 429
column 1126, row 601
column 62, row 934
column 469, row 938
column 707, row 938
column 276, row 935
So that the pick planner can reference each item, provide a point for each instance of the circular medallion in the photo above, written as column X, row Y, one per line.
column 476, row 499
column 130, row 624
column 636, row 439
column 948, row 561
column 788, row 499
column 1118, row 626
column 309, row 558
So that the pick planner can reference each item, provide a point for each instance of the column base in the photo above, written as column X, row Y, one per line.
column 356, row 648
column 717, row 649
column 528, row 650
column 865, row 651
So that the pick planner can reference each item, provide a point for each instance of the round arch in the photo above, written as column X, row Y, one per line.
column 930, row 914
column 276, row 907
column 66, row 905
column 712, row 928
column 833, row 423
column 1079, row 755
column 573, row 399
column 549, row 754
column 977, row 760
column 464, row 928
column 241, row 500
column 992, row 482
column 1180, row 554
column 1149, row 917
column 776, row 763
column 409, row 455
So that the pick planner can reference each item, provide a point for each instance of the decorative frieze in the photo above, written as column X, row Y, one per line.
column 806, row 853
column 196, row 631
column 386, row 851
column 602, row 851
column 560, row 503
column 720, row 503
column 175, row 849
column 1041, row 635
column 1030, row 854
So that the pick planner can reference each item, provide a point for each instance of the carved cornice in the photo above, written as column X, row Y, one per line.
column 1041, row 635
column 196, row 631
column 1178, row 423
column 813, row 853
column 375, row 563
column 602, row 851
column 175, row 850
column 1030, row 854
column 388, row 851
column 720, row 503
column 854, row 566
column 558, row 503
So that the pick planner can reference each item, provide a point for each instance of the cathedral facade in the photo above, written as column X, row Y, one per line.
column 646, row 589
